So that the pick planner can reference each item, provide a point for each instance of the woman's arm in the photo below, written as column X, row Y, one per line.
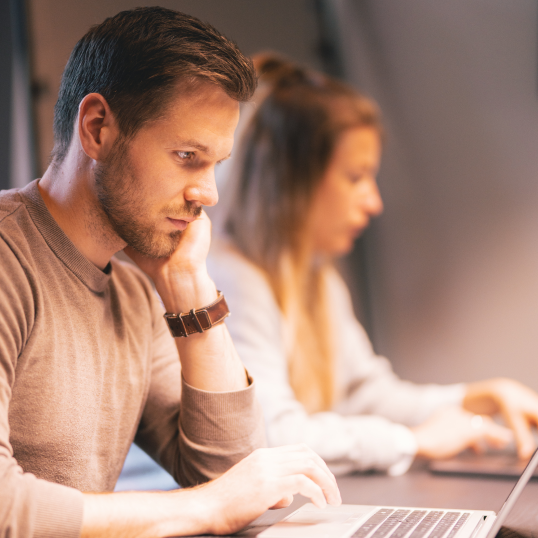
column 360, row 432
column 258, row 330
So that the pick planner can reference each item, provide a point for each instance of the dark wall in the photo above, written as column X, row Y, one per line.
column 5, row 92
column 56, row 25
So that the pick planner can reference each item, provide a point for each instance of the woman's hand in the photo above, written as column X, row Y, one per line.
column 517, row 404
column 453, row 429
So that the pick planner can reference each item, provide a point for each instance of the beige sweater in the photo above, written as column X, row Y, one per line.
column 86, row 366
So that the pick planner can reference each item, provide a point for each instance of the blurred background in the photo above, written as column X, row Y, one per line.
column 446, row 280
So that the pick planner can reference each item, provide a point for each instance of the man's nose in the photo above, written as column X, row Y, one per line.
column 203, row 191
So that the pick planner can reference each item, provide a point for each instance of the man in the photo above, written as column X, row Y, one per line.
column 147, row 107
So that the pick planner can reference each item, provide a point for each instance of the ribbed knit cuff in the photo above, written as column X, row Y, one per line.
column 59, row 511
column 218, row 416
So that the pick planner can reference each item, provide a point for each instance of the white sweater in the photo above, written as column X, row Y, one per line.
column 367, row 428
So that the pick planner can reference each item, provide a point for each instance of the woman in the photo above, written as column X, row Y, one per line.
column 304, row 187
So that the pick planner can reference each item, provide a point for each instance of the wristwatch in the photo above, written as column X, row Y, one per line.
column 198, row 321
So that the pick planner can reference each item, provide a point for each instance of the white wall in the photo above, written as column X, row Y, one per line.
column 454, row 259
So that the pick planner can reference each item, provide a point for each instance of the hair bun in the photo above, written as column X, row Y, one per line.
column 277, row 70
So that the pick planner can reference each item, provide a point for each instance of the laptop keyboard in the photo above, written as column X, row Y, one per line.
column 412, row 524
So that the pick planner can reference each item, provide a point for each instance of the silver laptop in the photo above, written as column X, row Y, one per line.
column 360, row 521
column 497, row 464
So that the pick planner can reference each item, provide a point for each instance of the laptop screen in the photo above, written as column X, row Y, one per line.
column 514, row 495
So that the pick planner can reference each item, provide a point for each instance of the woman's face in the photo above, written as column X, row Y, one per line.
column 347, row 196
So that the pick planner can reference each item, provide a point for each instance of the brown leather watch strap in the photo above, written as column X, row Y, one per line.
column 198, row 321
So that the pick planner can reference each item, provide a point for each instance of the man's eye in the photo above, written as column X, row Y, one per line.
column 355, row 178
column 185, row 155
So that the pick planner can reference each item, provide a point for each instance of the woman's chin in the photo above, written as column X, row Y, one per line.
column 337, row 246
column 337, row 250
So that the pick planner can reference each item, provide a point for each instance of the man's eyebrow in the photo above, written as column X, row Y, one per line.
column 193, row 144
column 196, row 145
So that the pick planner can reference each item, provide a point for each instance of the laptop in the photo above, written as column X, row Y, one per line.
column 497, row 464
column 362, row 521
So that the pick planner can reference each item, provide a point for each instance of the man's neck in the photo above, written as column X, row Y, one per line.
column 67, row 192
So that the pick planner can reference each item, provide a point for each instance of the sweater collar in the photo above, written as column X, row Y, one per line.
column 90, row 275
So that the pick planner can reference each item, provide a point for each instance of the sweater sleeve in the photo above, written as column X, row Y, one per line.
column 29, row 507
column 360, row 432
column 196, row 435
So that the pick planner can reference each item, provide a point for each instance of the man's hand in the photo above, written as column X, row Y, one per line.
column 181, row 279
column 517, row 404
column 453, row 429
column 208, row 360
column 268, row 478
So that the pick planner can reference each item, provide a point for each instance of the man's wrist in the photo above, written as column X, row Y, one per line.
column 182, row 293
column 182, row 324
column 192, row 504
column 163, row 513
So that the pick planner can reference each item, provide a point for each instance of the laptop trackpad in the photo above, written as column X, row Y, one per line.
column 306, row 523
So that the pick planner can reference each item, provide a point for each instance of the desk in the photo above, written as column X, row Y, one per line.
column 421, row 488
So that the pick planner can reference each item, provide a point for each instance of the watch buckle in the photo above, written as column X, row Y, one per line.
column 195, row 321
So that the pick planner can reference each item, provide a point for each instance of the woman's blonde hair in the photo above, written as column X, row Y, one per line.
column 282, row 157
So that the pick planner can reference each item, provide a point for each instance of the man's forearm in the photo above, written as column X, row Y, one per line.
column 141, row 514
column 264, row 479
column 208, row 360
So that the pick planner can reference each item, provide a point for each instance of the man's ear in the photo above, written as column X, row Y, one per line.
column 97, row 127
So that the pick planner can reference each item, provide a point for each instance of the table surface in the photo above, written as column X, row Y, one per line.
column 420, row 488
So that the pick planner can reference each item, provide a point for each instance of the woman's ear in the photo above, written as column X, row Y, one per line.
column 97, row 127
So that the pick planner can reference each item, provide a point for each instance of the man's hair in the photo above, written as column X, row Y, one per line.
column 136, row 60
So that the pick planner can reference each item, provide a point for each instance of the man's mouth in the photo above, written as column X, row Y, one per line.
column 181, row 224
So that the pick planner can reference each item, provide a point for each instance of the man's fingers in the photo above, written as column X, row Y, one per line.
column 284, row 466
column 310, row 468
column 283, row 503
column 302, row 452
column 303, row 485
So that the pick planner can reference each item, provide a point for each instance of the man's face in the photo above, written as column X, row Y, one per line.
column 153, row 185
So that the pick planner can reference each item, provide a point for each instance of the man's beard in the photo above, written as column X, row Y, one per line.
column 122, row 202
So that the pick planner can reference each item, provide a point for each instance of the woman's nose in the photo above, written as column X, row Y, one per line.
column 371, row 200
